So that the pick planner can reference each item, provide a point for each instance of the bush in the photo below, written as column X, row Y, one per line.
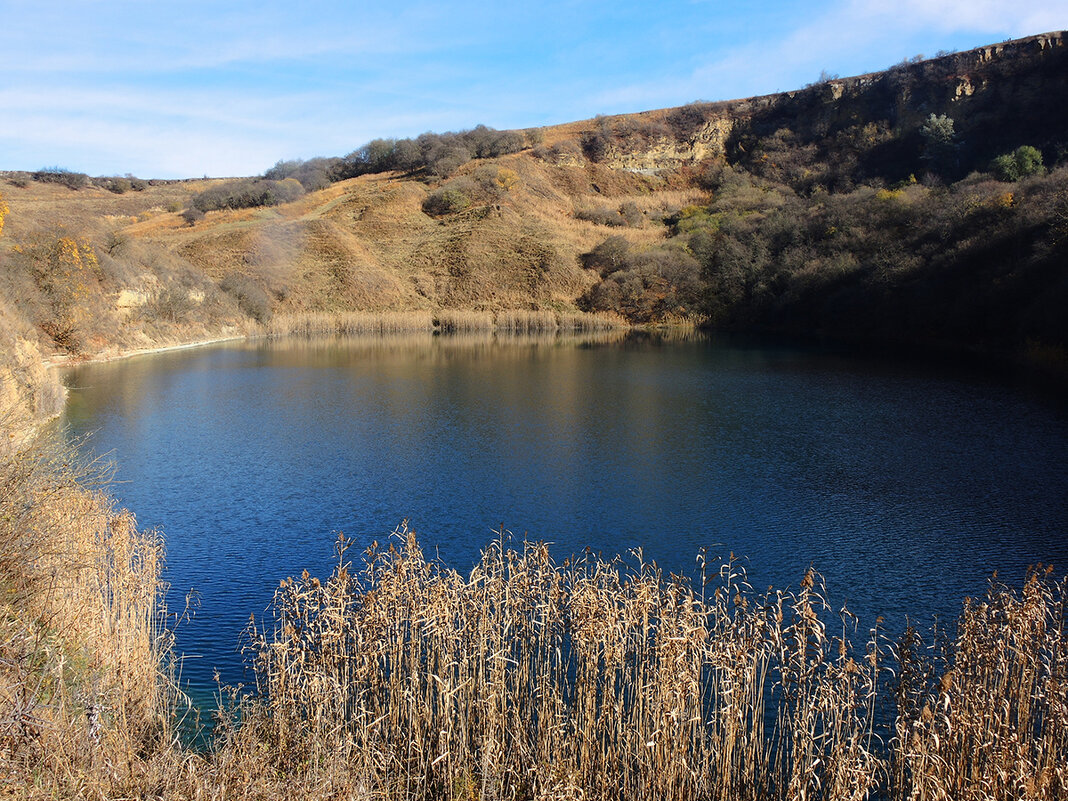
column 192, row 215
column 61, row 175
column 171, row 304
column 653, row 285
column 248, row 194
column 449, row 199
column 601, row 216
column 1021, row 163
column 313, row 174
column 607, row 257
column 113, row 184
column 632, row 215
column 687, row 120
column 251, row 298
column 595, row 145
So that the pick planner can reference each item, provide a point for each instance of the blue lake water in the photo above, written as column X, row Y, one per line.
column 906, row 484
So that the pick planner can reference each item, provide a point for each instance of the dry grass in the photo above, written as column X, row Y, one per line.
column 349, row 323
column 458, row 321
column 590, row 321
column 522, row 321
column 526, row 679
column 82, row 645
column 596, row 679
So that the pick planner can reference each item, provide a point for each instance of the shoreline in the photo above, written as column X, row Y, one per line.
column 58, row 362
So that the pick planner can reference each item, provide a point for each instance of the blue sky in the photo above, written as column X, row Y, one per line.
column 170, row 90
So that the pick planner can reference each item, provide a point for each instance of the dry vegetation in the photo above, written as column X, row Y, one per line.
column 83, row 646
column 532, row 679
column 528, row 678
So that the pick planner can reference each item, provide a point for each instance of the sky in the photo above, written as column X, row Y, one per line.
column 183, row 90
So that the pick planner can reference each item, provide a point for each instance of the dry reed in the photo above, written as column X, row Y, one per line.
column 526, row 679
column 310, row 324
column 83, row 649
column 522, row 321
column 597, row 679
column 459, row 321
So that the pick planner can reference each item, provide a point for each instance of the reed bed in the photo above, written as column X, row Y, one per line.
column 310, row 324
column 523, row 321
column 83, row 648
column 601, row 679
column 452, row 321
column 590, row 321
column 460, row 321
column 527, row 678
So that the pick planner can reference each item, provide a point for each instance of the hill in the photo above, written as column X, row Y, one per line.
column 923, row 204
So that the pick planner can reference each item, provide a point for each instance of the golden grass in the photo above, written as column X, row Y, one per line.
column 311, row 324
column 602, row 680
column 459, row 321
column 83, row 651
column 527, row 678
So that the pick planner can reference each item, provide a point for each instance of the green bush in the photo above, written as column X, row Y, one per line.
column 1021, row 163
column 446, row 200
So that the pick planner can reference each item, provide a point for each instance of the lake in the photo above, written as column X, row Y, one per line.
column 905, row 483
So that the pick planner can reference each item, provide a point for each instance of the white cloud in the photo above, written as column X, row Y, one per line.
column 981, row 16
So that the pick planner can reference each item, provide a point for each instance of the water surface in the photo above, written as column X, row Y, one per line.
column 905, row 484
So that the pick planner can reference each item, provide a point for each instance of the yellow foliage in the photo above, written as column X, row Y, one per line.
column 1006, row 200
column 506, row 178
column 3, row 213
column 888, row 194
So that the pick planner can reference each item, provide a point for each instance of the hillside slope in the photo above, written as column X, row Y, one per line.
column 855, row 207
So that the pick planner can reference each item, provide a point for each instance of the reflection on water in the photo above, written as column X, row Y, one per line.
column 905, row 487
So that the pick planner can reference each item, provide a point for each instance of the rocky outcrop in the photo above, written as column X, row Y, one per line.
column 667, row 152
column 30, row 393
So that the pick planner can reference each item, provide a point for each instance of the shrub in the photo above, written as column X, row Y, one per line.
column 687, row 120
column 313, row 174
column 449, row 199
column 595, row 145
column 607, row 257
column 192, row 215
column 171, row 304
column 632, row 215
column 248, row 193
column 113, row 184
column 61, row 175
column 939, row 141
column 493, row 181
column 1021, row 163
column 601, row 216
column 251, row 298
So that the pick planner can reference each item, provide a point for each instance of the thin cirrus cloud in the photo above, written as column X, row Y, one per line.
column 850, row 38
